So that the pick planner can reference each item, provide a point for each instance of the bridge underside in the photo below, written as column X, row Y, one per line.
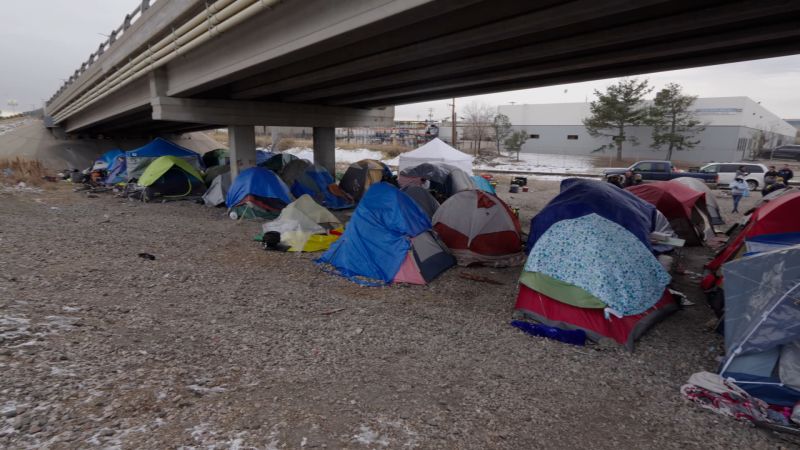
column 360, row 54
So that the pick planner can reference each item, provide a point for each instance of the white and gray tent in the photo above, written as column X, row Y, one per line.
column 445, row 179
column 715, row 216
column 216, row 193
column 762, row 324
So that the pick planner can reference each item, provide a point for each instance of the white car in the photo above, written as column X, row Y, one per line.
column 727, row 172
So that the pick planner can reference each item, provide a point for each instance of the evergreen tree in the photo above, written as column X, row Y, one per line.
column 674, row 124
column 501, row 125
column 620, row 107
column 515, row 142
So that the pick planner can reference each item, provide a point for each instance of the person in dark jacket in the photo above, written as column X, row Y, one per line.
column 786, row 173
column 771, row 175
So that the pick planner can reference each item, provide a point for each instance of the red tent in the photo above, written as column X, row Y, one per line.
column 684, row 207
column 625, row 330
column 779, row 216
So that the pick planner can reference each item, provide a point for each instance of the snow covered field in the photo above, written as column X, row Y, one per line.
column 529, row 162
column 536, row 162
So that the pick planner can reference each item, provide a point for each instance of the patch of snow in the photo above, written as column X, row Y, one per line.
column 342, row 155
column 369, row 437
column 197, row 389
column 543, row 163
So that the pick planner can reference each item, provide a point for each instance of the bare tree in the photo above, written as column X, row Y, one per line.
column 477, row 123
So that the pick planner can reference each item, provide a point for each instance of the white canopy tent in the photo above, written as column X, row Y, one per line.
column 436, row 151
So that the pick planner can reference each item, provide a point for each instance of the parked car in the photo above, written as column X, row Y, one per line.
column 785, row 152
column 727, row 172
column 660, row 171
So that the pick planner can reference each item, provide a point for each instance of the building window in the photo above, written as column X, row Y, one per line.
column 572, row 137
column 534, row 136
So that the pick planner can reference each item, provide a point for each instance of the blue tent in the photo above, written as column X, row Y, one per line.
column 259, row 182
column 316, row 182
column 263, row 156
column 118, row 171
column 483, row 184
column 140, row 158
column 580, row 197
column 378, row 236
column 762, row 325
column 106, row 160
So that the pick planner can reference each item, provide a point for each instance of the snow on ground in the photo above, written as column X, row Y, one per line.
column 342, row 155
column 538, row 162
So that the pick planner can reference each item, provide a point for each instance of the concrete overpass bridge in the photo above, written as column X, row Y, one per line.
column 186, row 65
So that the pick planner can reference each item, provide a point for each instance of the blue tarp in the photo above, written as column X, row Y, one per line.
column 117, row 172
column 315, row 182
column 378, row 236
column 107, row 159
column 259, row 182
column 580, row 197
column 483, row 184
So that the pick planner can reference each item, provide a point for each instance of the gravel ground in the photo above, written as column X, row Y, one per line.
column 219, row 344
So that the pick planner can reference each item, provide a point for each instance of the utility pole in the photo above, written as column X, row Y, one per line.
column 453, row 119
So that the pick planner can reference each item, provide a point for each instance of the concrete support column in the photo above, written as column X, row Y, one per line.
column 242, row 142
column 325, row 148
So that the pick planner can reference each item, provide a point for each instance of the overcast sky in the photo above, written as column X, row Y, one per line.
column 44, row 41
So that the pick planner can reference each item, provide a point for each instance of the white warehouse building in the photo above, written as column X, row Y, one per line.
column 733, row 126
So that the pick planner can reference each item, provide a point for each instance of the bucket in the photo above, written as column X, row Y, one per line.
column 513, row 189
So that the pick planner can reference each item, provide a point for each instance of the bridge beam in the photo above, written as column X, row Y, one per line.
column 325, row 148
column 250, row 113
column 242, row 143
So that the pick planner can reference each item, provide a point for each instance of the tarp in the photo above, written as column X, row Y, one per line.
column 107, row 159
column 698, row 185
column 580, row 197
column 139, row 159
column 378, row 237
column 262, row 156
column 118, row 172
column 216, row 193
column 483, row 184
column 436, row 151
column 602, row 258
column 299, row 221
column 761, row 314
column 259, row 182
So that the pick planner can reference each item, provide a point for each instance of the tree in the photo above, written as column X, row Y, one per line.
column 515, row 142
column 674, row 124
column 478, row 119
column 620, row 107
column 501, row 125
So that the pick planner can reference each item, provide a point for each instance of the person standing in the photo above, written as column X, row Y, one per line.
column 739, row 189
column 771, row 175
column 786, row 173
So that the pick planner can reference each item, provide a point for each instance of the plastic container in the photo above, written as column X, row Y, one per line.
column 513, row 189
column 524, row 188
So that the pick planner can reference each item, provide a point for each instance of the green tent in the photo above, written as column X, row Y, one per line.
column 170, row 176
